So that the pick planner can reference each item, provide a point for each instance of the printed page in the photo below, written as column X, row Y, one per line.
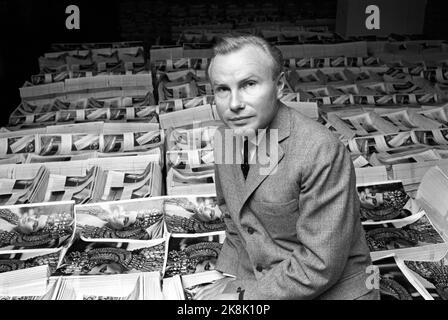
column 394, row 284
column 427, row 276
column 382, row 202
column 140, row 219
column 99, row 258
column 36, row 226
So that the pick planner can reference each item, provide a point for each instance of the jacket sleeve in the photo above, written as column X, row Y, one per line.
column 228, row 257
column 326, row 224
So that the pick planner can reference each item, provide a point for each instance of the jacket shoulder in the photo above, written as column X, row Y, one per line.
column 313, row 131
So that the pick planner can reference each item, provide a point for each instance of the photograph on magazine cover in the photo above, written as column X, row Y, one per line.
column 394, row 285
column 414, row 231
column 36, row 226
column 130, row 220
column 98, row 258
column 193, row 214
column 192, row 255
column 383, row 201
column 29, row 259
column 430, row 275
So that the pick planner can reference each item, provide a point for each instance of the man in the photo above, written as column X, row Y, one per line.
column 294, row 233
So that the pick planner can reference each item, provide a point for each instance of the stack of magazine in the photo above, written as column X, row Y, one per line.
column 111, row 250
column 90, row 180
column 120, row 109
column 190, row 160
column 407, row 237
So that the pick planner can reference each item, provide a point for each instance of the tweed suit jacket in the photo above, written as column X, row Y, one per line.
column 294, row 233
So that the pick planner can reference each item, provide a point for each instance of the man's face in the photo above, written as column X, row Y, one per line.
column 246, row 93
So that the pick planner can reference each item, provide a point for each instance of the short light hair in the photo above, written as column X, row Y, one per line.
column 228, row 45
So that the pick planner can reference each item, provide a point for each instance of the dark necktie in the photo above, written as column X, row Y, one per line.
column 245, row 165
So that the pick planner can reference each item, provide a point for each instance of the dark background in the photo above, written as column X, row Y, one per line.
column 27, row 28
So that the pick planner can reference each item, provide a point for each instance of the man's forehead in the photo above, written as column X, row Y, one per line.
column 248, row 59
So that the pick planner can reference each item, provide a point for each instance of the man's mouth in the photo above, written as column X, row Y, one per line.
column 240, row 119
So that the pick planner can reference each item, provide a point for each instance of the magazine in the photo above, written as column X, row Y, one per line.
column 99, row 258
column 393, row 283
column 121, row 185
column 80, row 189
column 124, row 220
column 382, row 201
column 428, row 275
column 36, row 226
column 21, row 191
column 187, row 215
column 402, row 235
column 131, row 286
column 192, row 255
column 30, row 284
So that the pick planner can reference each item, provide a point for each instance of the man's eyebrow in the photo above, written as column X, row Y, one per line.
column 246, row 78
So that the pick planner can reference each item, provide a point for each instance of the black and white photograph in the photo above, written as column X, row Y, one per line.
column 385, row 201
column 36, row 226
column 274, row 147
column 394, row 285
column 102, row 258
column 431, row 275
column 131, row 220
column 415, row 231
column 193, row 215
column 29, row 259
column 192, row 255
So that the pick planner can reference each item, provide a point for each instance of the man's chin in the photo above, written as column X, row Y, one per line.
column 243, row 131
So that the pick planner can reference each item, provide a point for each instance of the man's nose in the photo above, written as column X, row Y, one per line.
column 235, row 102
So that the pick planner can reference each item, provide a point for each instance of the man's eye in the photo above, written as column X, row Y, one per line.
column 221, row 89
column 249, row 84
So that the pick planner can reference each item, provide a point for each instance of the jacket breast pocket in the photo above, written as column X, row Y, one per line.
column 278, row 218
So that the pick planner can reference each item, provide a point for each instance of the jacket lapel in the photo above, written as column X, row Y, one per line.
column 231, row 169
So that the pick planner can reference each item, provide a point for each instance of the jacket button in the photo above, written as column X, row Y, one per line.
column 259, row 268
column 250, row 230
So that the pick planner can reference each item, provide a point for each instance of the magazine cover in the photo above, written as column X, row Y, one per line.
column 36, row 226
column 124, row 220
column 393, row 284
column 193, row 215
column 400, row 235
column 431, row 277
column 382, row 201
column 98, row 258
column 30, row 259
column 192, row 255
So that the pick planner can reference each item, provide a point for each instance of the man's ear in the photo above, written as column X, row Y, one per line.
column 281, row 81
